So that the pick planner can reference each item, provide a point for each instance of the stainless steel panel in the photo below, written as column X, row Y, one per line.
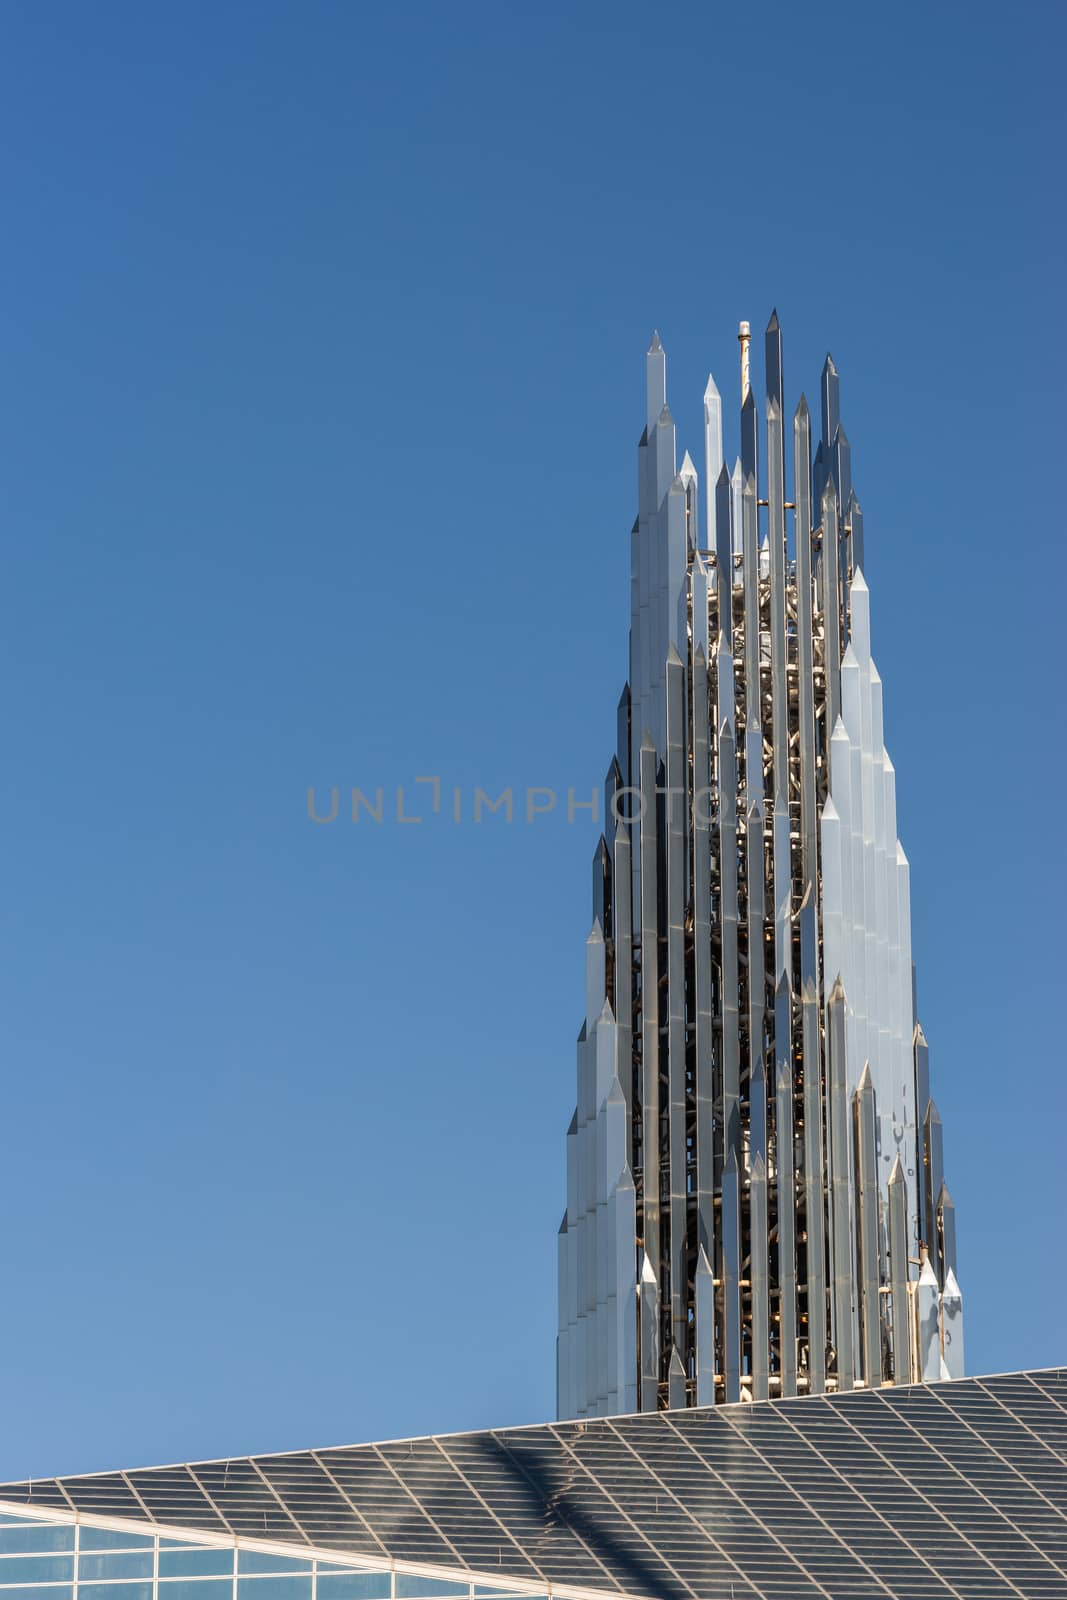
column 866, row 1154
column 731, row 1268
column 758, row 1278
column 840, row 1190
column 786, row 1186
column 899, row 1274
column 675, row 817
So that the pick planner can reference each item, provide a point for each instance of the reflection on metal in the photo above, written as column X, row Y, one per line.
column 755, row 1166
column 952, row 1327
column 927, row 1324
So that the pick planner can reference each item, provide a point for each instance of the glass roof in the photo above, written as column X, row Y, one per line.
column 950, row 1489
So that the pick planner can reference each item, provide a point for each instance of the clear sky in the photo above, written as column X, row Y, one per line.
column 323, row 332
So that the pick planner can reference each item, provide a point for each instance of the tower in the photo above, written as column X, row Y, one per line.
column 756, row 1203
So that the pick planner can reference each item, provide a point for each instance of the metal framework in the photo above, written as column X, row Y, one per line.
column 756, row 1203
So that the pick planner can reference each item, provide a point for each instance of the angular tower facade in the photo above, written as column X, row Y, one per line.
column 756, row 1204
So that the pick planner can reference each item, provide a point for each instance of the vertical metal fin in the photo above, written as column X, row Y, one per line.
column 731, row 1268
column 704, row 1052
column 857, row 535
column 649, row 1296
column 649, row 1010
column 626, row 1292
column 758, row 1277
column 952, row 1328
column 933, row 1178
column 675, row 827
column 928, row 1323
column 728, row 916
column 724, row 553
column 898, row 1272
column 831, row 603
column 814, row 1170
column 946, row 1232
column 623, row 954
column 840, row 1190
column 786, row 1187
column 863, row 1109
column 705, row 1330
column 676, row 1397
column 921, row 1067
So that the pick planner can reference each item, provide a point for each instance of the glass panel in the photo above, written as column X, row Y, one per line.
column 261, row 1561
column 36, row 1569
column 195, row 1563
column 134, row 1564
column 410, row 1587
column 192, row 1589
column 60, row 1591
column 37, row 1536
column 481, row 1593
column 352, row 1585
column 104, row 1591
column 111, row 1539
column 294, row 1588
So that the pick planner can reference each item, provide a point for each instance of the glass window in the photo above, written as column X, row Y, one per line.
column 411, row 1587
column 36, row 1536
column 293, row 1588
column 261, row 1561
column 36, row 1569
column 112, row 1539
column 132, row 1564
column 104, row 1591
column 196, row 1563
column 481, row 1593
column 192, row 1589
column 61, row 1591
column 352, row 1585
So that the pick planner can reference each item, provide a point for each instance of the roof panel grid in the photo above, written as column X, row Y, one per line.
column 947, row 1490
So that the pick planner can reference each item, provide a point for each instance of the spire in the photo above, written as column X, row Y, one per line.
column 789, row 1167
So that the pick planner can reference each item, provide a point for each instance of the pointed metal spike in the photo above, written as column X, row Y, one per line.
column 831, row 404
column 772, row 345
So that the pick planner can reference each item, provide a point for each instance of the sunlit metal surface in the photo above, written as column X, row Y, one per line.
column 759, row 1222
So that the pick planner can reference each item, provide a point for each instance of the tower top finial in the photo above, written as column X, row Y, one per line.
column 744, row 336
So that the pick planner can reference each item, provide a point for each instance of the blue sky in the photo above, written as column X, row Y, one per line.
column 322, row 345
